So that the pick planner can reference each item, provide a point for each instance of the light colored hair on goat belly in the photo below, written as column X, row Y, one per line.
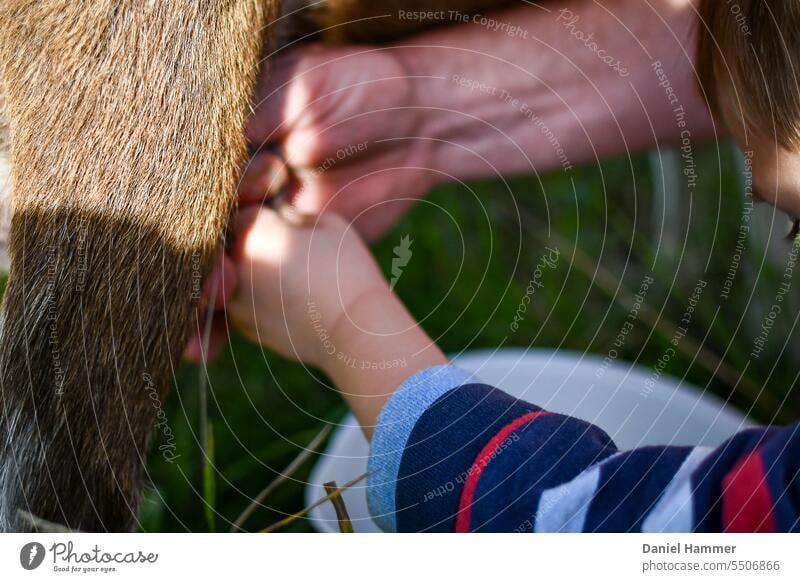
column 5, row 185
column 127, row 138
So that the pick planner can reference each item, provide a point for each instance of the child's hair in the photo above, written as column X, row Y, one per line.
column 752, row 47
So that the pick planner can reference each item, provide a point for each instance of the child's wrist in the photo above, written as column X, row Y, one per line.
column 372, row 326
column 378, row 346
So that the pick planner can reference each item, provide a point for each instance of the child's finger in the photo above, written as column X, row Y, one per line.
column 266, row 234
column 243, row 223
column 258, row 231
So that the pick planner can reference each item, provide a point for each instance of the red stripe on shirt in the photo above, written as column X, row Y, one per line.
column 481, row 462
column 746, row 499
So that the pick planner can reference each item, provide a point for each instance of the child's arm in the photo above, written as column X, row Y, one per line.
column 314, row 293
column 450, row 453
column 379, row 361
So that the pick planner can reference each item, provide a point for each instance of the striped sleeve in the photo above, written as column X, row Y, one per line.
column 452, row 454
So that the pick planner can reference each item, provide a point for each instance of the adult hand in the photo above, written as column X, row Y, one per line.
column 345, row 122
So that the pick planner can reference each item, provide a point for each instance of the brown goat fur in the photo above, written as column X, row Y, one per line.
column 126, row 122
column 127, row 141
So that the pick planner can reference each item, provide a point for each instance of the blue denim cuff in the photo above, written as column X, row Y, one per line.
column 395, row 423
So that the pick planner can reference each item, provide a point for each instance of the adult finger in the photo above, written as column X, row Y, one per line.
column 265, row 176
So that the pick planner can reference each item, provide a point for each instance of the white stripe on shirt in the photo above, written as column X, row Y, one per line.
column 674, row 511
column 564, row 508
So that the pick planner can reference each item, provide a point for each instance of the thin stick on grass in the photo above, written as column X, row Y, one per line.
column 292, row 518
column 283, row 476
column 205, row 433
column 203, row 376
column 345, row 525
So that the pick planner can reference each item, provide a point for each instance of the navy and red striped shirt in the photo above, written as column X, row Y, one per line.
column 450, row 454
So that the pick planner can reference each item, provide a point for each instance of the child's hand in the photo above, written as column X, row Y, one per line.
column 298, row 282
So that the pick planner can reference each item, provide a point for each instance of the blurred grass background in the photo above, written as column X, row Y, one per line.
column 474, row 252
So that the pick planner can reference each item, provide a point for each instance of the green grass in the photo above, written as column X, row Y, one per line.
column 474, row 252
